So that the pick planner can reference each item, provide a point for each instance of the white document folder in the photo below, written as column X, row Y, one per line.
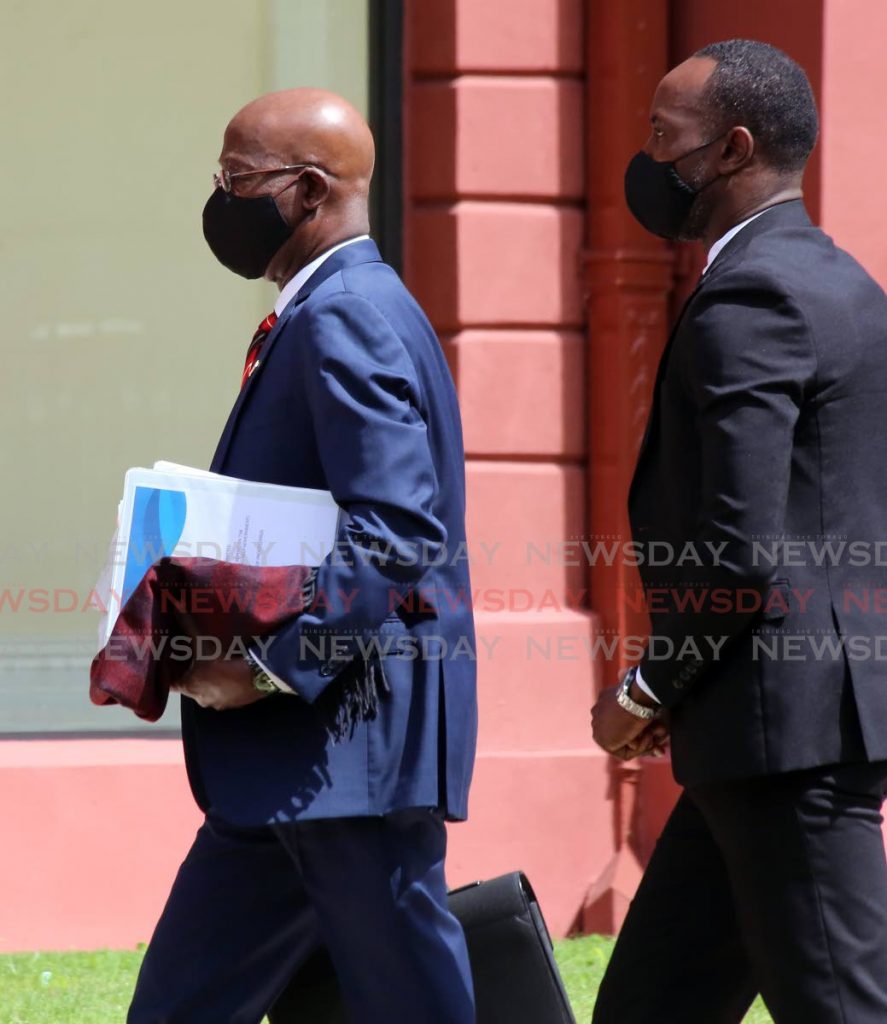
column 181, row 512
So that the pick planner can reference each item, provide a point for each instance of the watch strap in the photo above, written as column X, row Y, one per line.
column 625, row 701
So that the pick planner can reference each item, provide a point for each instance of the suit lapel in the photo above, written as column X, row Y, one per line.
column 358, row 252
column 788, row 214
column 224, row 440
column 234, row 415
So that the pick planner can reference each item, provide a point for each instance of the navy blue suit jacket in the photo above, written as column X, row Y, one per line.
column 354, row 395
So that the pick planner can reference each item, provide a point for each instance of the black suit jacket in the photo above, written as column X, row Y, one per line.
column 766, row 451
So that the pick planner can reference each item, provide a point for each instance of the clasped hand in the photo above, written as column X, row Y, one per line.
column 623, row 734
column 220, row 683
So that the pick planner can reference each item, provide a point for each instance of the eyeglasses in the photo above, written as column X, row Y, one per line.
column 223, row 179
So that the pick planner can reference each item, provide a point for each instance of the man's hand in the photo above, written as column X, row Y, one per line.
column 223, row 683
column 625, row 735
column 652, row 742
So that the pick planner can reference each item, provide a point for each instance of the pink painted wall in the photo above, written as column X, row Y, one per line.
column 494, row 234
column 93, row 832
column 853, row 146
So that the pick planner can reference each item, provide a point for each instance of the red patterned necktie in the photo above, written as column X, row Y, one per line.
column 255, row 348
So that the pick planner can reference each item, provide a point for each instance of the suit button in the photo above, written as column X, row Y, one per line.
column 678, row 684
column 326, row 669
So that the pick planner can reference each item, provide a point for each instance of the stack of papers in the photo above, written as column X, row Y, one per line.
column 174, row 511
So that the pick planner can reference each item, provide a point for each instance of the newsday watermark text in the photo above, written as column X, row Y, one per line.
column 595, row 647
column 594, row 551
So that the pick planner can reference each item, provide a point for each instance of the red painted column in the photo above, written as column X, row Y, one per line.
column 494, row 229
column 795, row 26
column 628, row 283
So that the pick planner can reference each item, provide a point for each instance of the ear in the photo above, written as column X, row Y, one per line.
column 315, row 188
column 739, row 148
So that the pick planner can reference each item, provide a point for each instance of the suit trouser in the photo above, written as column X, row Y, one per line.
column 250, row 905
column 775, row 885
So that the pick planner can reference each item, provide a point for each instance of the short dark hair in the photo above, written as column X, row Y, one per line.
column 763, row 89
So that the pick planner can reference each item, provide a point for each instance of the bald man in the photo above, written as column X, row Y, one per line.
column 327, row 761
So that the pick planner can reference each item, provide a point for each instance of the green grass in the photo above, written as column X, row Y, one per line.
column 67, row 988
column 94, row 988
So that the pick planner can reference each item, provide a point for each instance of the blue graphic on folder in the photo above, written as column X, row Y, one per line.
column 158, row 519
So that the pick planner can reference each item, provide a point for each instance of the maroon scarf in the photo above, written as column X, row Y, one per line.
column 187, row 608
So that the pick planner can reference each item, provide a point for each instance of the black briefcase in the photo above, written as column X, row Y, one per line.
column 515, row 976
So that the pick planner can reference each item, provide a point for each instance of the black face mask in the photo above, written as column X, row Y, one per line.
column 658, row 196
column 244, row 234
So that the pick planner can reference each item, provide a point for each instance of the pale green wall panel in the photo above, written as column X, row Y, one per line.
column 323, row 44
column 122, row 338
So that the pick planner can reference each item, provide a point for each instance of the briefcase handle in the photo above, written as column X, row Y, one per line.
column 514, row 892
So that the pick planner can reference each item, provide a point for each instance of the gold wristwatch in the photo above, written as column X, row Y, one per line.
column 262, row 681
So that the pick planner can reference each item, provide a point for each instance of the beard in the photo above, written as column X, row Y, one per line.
column 699, row 215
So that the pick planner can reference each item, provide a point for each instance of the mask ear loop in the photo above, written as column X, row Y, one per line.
column 686, row 184
column 690, row 152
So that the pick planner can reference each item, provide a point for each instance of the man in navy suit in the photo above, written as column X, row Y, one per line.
column 327, row 762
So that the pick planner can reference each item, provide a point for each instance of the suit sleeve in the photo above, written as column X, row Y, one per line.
column 373, row 446
column 750, row 362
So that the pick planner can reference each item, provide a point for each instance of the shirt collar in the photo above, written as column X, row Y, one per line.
column 715, row 250
column 292, row 288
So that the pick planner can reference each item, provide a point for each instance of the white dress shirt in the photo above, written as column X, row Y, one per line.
column 289, row 291
column 713, row 253
column 292, row 288
column 727, row 236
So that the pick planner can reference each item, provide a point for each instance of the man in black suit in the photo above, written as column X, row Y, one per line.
column 765, row 451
